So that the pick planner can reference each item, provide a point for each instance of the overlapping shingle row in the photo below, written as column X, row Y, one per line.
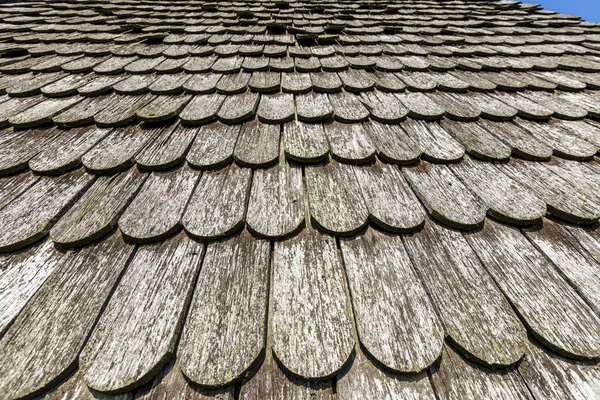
column 234, row 200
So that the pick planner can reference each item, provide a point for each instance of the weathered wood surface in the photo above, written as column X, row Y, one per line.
column 295, row 83
column 66, row 86
column 156, row 211
column 83, row 112
column 13, row 186
column 73, row 387
column 122, row 110
column 265, row 82
column 575, row 264
column 202, row 109
column 42, row 112
column 477, row 140
column 434, row 141
column 395, row 319
column 137, row 332
column 101, row 84
column 311, row 327
column 213, row 146
column 30, row 84
column 456, row 378
column 349, row 143
column 356, row 80
column 562, row 108
column 276, row 205
column 384, row 107
column 491, row 107
column 420, row 106
column 21, row 275
column 305, row 142
column 30, row 216
column 168, row 149
column 66, row 151
column 550, row 376
column 456, row 108
column 562, row 198
column 335, row 200
column 238, row 108
column 18, row 147
column 582, row 130
column 586, row 238
column 523, row 143
column 389, row 199
column 418, row 81
column 476, row 316
column 276, row 108
column 163, row 108
column 270, row 382
column 313, row 107
column 387, row 82
column 135, row 84
column 505, row 198
column 326, row 82
column 233, row 83
column 347, row 108
column 98, row 210
column 548, row 305
column 113, row 65
column 563, row 143
column 446, row 198
column 392, row 143
column 41, row 347
column 169, row 84
column 218, row 206
column 15, row 105
column 170, row 384
column 526, row 108
column 258, row 145
column 224, row 335
column 202, row 83
column 363, row 380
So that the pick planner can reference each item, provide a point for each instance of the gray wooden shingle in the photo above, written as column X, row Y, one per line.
column 122, row 110
column 392, row 143
column 163, row 108
column 276, row 108
column 477, row 141
column 202, row 109
column 218, row 206
column 238, row 108
column 30, row 216
column 37, row 356
column 257, row 145
column 225, row 335
column 349, row 143
column 276, row 204
column 312, row 331
column 395, row 320
column 305, row 142
column 335, row 200
column 137, row 331
column 168, row 149
column 313, row 107
column 477, row 318
column 156, row 211
column 213, row 146
column 348, row 108
column 553, row 311
column 96, row 213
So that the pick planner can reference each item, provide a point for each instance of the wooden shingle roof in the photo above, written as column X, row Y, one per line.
column 312, row 199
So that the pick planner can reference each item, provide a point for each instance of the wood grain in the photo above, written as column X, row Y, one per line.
column 276, row 108
column 551, row 309
column 218, row 206
column 137, row 332
column 434, row 141
column 477, row 318
column 313, row 107
column 305, row 142
column 446, row 198
column 311, row 328
column 395, row 319
column 30, row 216
column 276, row 205
column 238, row 108
column 349, row 143
column 41, row 347
column 96, row 213
column 335, row 200
column 202, row 109
column 389, row 198
column 392, row 143
column 456, row 378
column 258, row 145
column 155, row 213
column 363, row 380
column 168, row 149
column 225, row 335
column 213, row 146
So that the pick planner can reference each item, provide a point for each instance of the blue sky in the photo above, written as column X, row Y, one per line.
column 588, row 10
